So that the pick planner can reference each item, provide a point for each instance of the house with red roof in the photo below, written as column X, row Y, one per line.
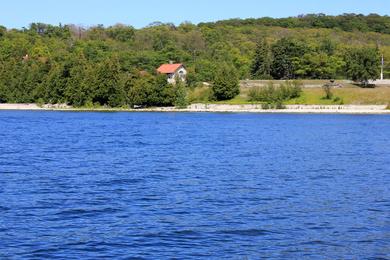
column 173, row 71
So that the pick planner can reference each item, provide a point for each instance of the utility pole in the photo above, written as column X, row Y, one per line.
column 382, row 66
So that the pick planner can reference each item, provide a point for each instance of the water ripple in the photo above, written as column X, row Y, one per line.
column 193, row 186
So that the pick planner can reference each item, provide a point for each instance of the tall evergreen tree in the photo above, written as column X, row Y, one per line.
column 261, row 66
column 226, row 83
column 78, row 90
column 180, row 95
column 107, row 84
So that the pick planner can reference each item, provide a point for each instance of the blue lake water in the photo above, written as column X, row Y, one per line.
column 190, row 186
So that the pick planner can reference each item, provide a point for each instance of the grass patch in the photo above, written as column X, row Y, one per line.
column 353, row 96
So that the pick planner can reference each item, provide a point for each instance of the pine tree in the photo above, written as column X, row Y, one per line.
column 226, row 83
column 261, row 66
column 180, row 95
column 78, row 87
column 108, row 89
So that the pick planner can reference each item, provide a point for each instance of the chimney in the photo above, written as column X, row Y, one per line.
column 170, row 62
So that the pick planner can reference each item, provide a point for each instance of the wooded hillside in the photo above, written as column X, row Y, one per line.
column 116, row 65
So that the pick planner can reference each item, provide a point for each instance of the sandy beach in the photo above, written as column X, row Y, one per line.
column 220, row 108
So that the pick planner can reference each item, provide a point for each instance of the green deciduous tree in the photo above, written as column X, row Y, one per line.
column 285, row 52
column 363, row 64
column 318, row 66
column 121, row 33
column 3, row 30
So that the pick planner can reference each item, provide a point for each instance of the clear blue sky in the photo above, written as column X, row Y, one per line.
column 139, row 13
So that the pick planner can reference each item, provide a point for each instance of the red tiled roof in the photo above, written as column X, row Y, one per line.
column 169, row 68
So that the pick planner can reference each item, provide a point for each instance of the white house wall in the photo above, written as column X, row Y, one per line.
column 172, row 77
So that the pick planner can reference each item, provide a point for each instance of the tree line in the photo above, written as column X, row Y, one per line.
column 116, row 65
column 347, row 22
column 291, row 59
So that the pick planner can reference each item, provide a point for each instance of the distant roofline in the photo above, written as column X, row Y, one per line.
column 168, row 68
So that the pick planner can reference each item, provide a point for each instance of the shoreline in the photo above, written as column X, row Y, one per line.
column 217, row 108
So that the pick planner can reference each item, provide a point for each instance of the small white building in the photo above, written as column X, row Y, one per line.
column 173, row 72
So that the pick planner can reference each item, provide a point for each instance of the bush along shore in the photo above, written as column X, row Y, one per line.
column 278, row 96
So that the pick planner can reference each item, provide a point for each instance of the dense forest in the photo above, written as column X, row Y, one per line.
column 116, row 65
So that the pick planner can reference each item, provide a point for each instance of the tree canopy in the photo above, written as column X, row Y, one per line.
column 225, row 84
column 116, row 65
column 363, row 65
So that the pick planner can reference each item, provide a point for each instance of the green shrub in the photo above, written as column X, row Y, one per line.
column 279, row 105
column 89, row 104
column 40, row 102
column 276, row 95
column 180, row 96
column 255, row 94
column 291, row 89
column 328, row 91
column 200, row 94
column 265, row 106
column 338, row 100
